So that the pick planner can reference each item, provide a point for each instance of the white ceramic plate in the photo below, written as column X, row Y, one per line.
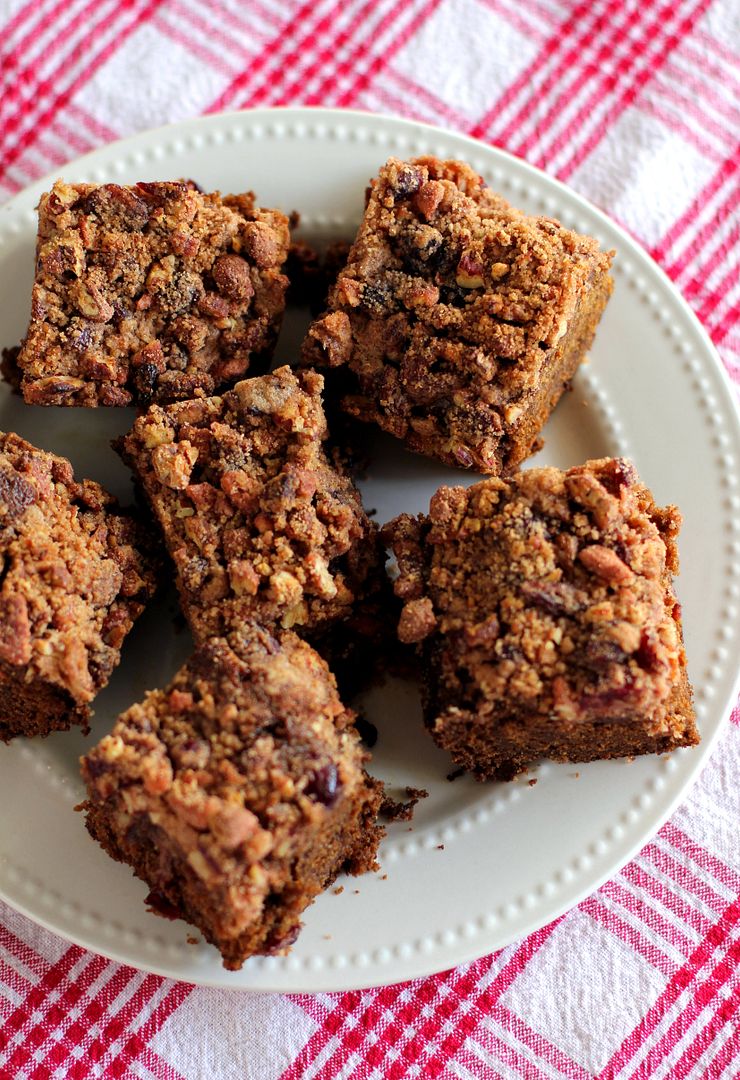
column 481, row 864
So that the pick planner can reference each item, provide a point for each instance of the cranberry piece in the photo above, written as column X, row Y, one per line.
column 284, row 941
column 323, row 785
column 407, row 181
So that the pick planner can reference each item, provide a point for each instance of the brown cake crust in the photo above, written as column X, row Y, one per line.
column 150, row 293
column 239, row 792
column 74, row 579
column 550, row 626
column 260, row 525
column 460, row 319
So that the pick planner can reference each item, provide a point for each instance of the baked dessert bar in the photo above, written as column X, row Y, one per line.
column 239, row 792
column 72, row 581
column 259, row 523
column 150, row 293
column 548, row 619
column 458, row 321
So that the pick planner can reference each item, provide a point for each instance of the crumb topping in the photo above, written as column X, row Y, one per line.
column 449, row 308
column 148, row 293
column 550, row 593
column 247, row 748
column 72, row 579
column 258, row 522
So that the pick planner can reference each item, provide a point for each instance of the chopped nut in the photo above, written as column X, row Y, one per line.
column 173, row 463
column 606, row 563
column 417, row 621
column 428, row 197
column 231, row 274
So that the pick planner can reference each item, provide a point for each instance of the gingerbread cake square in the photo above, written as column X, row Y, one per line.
column 458, row 321
column 547, row 617
column 239, row 792
column 73, row 580
column 150, row 293
column 260, row 524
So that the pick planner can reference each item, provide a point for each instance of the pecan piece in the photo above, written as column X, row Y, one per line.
column 231, row 274
column 417, row 621
column 606, row 564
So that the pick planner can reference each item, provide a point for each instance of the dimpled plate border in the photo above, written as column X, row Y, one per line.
column 433, row 929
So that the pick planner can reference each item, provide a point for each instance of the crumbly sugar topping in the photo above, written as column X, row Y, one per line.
column 247, row 748
column 73, row 581
column 448, row 308
column 550, row 593
column 258, row 522
column 149, row 293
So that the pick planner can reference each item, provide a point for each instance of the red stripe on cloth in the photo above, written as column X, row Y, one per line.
column 352, row 92
column 329, row 1027
column 714, row 46
column 725, row 1013
column 157, row 1066
column 381, row 99
column 673, row 902
column 368, row 46
column 661, row 250
column 592, row 69
column 70, row 136
column 639, row 907
column 22, row 951
column 677, row 984
column 424, row 96
column 559, row 54
column 57, row 1016
column 12, row 979
column 101, row 131
column 49, row 150
column 60, row 99
column 482, row 1001
column 682, row 842
column 78, row 1030
column 192, row 44
column 263, row 10
column 518, row 17
column 327, row 60
column 505, row 1054
column 717, row 250
column 629, row 934
column 727, row 1053
column 685, row 878
column 537, row 1043
column 638, row 61
column 22, row 15
column 676, row 123
column 20, row 50
column 20, row 1019
column 712, row 299
column 244, row 26
column 405, row 1013
column 698, row 92
column 117, row 1024
column 725, row 327
column 704, row 993
column 211, row 29
column 635, row 86
column 27, row 81
column 138, row 1040
column 272, row 53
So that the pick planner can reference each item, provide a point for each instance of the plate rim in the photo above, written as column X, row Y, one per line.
column 417, row 965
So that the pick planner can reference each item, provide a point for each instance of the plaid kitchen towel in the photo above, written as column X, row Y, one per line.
column 636, row 104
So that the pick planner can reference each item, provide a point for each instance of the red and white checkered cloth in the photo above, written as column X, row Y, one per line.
column 636, row 104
